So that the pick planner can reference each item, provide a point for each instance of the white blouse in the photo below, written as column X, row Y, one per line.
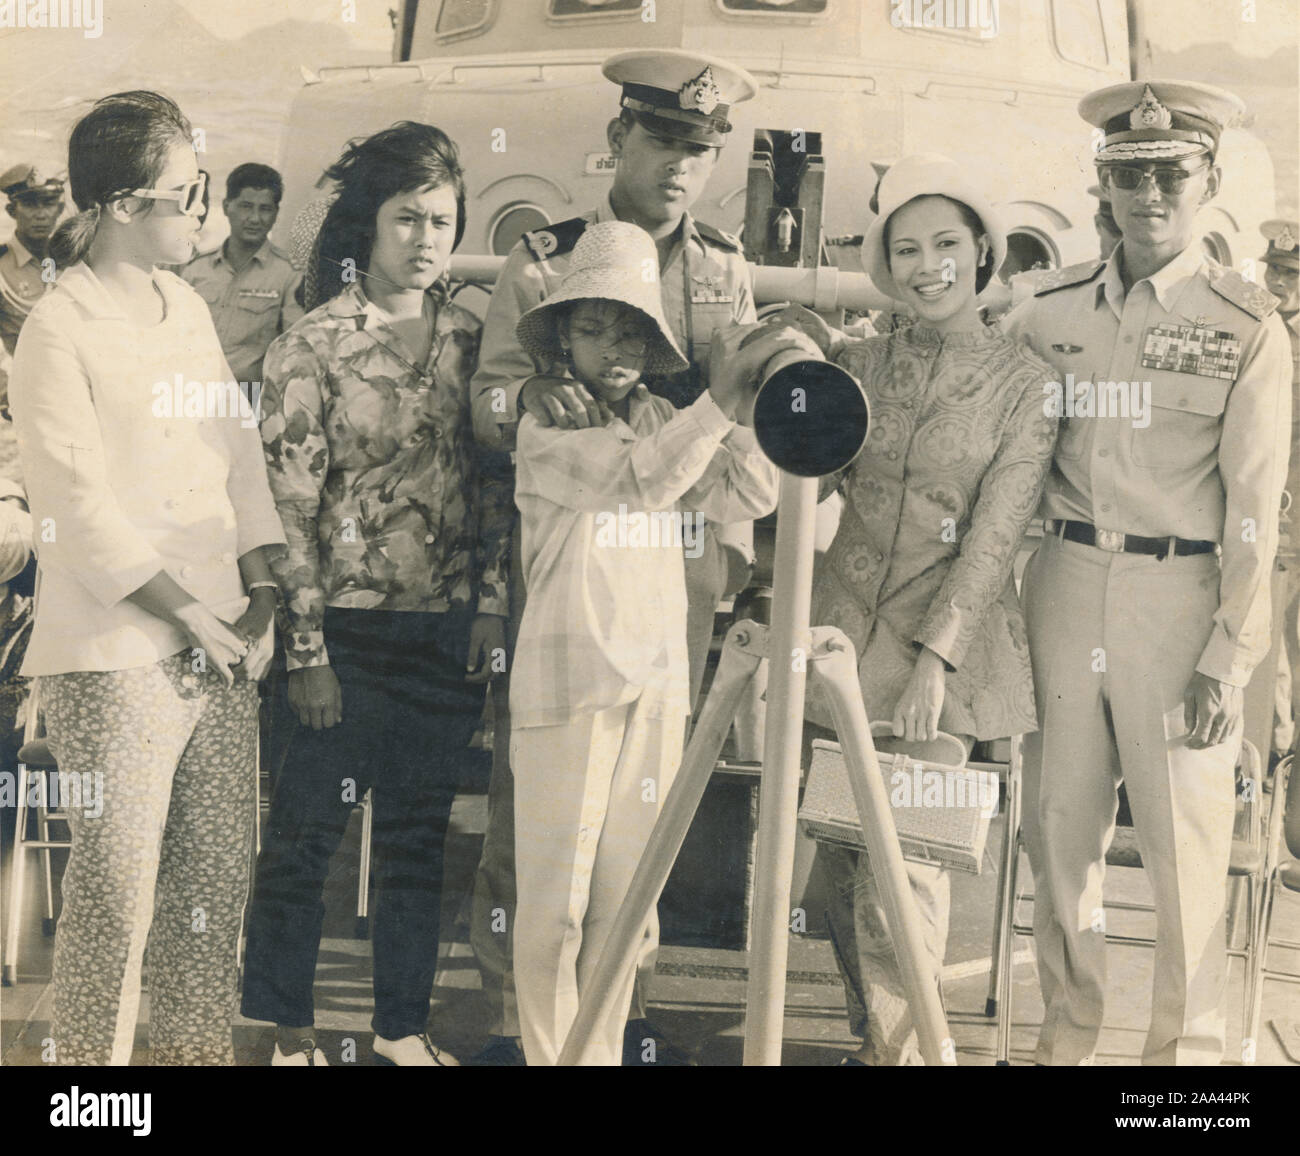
column 136, row 459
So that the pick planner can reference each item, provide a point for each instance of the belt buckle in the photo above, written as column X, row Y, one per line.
column 1111, row 541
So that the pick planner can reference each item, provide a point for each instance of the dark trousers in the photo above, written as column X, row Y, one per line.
column 408, row 717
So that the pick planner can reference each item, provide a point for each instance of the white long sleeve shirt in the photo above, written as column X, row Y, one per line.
column 130, row 471
column 606, row 516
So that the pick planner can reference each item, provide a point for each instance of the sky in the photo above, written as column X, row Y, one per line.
column 230, row 19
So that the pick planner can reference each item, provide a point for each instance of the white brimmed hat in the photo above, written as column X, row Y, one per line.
column 612, row 261
column 924, row 175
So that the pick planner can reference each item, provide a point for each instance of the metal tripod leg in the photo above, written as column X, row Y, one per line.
column 744, row 648
column 835, row 670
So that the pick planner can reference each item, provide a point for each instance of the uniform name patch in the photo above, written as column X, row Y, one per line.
column 1192, row 349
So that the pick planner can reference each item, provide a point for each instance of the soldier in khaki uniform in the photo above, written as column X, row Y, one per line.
column 672, row 124
column 1147, row 604
column 35, row 203
column 1282, row 279
column 249, row 284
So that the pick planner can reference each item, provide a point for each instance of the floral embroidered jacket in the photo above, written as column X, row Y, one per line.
column 385, row 498
column 935, row 508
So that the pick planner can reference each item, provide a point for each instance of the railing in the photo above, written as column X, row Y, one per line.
column 823, row 288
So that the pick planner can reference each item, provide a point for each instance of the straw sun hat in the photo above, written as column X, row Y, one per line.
column 613, row 261
column 925, row 175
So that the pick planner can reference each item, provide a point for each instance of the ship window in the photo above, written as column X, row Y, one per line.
column 773, row 7
column 1026, row 250
column 460, row 17
column 513, row 222
column 1078, row 32
column 560, row 9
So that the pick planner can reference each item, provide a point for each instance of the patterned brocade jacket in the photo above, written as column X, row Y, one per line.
column 935, row 508
column 386, row 500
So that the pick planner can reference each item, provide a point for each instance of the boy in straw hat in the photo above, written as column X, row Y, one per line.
column 600, row 692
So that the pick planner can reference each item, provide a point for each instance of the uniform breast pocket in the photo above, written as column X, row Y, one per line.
column 705, row 318
column 1179, row 421
column 257, row 307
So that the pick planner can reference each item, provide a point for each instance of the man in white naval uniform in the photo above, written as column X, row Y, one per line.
column 1147, row 604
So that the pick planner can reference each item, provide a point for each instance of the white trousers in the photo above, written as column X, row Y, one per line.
column 587, row 794
column 1114, row 639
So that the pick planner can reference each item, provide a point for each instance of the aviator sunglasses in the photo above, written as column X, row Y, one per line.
column 188, row 197
column 1168, row 180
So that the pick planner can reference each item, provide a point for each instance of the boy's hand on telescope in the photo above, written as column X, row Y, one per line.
column 561, row 402
column 737, row 357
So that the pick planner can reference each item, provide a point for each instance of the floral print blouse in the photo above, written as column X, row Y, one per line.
column 385, row 498
column 936, row 505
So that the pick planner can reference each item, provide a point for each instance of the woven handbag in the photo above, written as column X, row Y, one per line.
column 941, row 807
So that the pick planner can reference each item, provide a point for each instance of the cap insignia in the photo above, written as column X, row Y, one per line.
column 1285, row 240
column 700, row 94
column 1149, row 112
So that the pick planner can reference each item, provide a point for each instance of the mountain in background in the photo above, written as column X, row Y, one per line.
column 1268, row 85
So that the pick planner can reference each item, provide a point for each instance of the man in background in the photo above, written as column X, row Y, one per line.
column 247, row 281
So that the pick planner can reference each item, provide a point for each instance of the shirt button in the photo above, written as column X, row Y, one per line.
column 893, row 455
column 429, row 539
column 1105, row 507
column 437, row 431
column 1103, row 453
column 187, row 571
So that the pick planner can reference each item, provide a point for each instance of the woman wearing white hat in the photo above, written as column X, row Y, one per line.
column 919, row 575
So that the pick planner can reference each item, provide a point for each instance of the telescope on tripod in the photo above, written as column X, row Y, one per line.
column 811, row 419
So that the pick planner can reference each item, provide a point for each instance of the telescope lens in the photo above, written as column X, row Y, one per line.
column 811, row 418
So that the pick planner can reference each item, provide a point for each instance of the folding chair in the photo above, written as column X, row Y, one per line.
column 1247, row 863
column 36, row 767
column 1283, row 826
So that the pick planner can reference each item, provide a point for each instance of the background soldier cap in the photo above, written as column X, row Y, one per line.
column 24, row 178
column 1283, row 243
column 1154, row 120
column 682, row 95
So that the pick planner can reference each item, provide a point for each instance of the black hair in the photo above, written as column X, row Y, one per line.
column 400, row 159
column 971, row 219
column 119, row 145
column 254, row 176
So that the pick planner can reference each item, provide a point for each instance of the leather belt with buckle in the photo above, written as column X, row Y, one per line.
column 1116, row 542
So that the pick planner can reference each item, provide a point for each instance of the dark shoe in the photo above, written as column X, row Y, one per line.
column 500, row 1052
column 666, row 1054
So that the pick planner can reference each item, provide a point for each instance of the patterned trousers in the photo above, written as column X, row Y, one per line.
column 165, row 860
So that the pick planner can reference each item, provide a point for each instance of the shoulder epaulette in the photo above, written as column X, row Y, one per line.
column 718, row 237
column 278, row 251
column 555, row 239
column 1079, row 274
column 1245, row 295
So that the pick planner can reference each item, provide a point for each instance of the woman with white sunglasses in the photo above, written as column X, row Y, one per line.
column 148, row 491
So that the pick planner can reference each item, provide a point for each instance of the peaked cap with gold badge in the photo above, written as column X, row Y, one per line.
column 1154, row 120
column 682, row 95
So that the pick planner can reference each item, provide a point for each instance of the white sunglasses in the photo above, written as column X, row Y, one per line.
column 188, row 198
